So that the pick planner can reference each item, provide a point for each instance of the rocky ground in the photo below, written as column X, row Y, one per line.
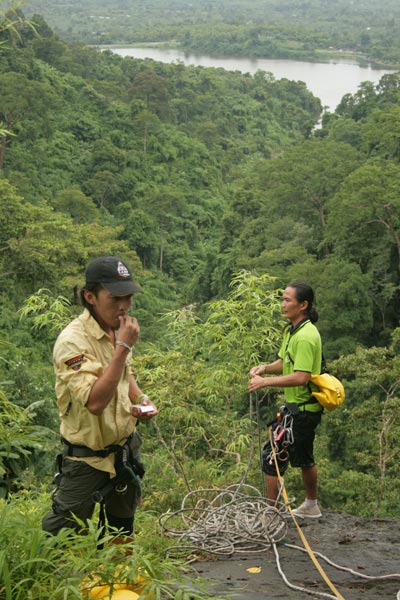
column 369, row 546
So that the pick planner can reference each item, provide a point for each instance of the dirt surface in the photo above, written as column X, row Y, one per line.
column 369, row 546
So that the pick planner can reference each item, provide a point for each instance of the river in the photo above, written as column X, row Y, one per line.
column 328, row 81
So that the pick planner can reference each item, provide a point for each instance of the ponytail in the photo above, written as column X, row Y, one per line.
column 305, row 293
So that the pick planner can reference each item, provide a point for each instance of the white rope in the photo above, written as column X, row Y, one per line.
column 237, row 520
column 297, row 587
column 341, row 568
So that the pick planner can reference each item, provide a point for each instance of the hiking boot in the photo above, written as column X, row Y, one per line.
column 307, row 512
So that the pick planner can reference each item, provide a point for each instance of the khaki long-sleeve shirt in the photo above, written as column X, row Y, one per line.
column 82, row 352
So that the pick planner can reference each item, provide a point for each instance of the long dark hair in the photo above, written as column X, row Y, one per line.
column 89, row 287
column 305, row 293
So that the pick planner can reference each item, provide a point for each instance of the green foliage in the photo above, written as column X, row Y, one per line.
column 74, row 203
column 46, row 311
column 316, row 30
column 200, row 385
column 368, row 207
column 372, row 404
column 201, row 180
column 20, row 441
column 12, row 19
column 43, row 248
column 36, row 565
column 100, row 133
column 345, row 311
column 22, row 99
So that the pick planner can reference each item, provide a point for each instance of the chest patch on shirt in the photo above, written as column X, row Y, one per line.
column 75, row 362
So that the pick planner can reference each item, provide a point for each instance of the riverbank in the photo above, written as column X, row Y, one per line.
column 361, row 58
column 328, row 81
column 317, row 56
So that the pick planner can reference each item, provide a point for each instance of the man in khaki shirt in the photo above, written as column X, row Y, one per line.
column 99, row 402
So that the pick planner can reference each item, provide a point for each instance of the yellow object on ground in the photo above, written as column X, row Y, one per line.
column 99, row 591
column 254, row 570
column 124, row 595
column 120, row 591
column 93, row 589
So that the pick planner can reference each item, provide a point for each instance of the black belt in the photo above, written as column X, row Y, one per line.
column 85, row 452
column 312, row 400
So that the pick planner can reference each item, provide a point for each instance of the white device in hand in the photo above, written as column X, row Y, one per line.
column 145, row 409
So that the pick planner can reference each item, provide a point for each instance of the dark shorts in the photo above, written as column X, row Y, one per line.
column 74, row 496
column 301, row 452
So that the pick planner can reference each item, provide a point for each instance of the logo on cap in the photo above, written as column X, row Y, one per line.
column 122, row 270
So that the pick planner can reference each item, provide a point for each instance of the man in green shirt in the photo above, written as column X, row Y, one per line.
column 299, row 357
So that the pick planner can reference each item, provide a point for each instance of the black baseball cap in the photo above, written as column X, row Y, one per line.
column 113, row 274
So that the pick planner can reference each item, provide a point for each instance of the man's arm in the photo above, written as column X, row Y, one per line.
column 257, row 382
column 105, row 386
column 274, row 367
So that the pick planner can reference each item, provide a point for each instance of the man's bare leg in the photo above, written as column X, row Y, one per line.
column 272, row 488
column 310, row 480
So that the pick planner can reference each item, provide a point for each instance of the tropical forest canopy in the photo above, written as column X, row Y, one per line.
column 218, row 189
column 311, row 29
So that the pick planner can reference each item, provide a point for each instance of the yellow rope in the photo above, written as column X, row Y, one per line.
column 301, row 534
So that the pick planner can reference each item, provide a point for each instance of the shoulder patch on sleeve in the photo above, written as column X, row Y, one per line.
column 75, row 362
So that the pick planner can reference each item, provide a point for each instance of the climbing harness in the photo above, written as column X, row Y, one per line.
column 129, row 471
column 128, row 468
column 282, row 435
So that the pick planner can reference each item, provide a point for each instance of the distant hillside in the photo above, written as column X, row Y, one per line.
column 246, row 27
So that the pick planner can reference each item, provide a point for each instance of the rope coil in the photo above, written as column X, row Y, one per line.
column 226, row 521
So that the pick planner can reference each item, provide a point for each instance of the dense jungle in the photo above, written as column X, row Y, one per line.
column 217, row 188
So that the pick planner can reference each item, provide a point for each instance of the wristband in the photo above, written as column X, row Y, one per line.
column 141, row 397
column 118, row 343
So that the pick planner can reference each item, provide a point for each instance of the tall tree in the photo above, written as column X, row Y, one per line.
column 364, row 227
column 21, row 98
column 152, row 88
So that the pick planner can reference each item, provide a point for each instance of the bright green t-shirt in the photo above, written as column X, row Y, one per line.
column 301, row 350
